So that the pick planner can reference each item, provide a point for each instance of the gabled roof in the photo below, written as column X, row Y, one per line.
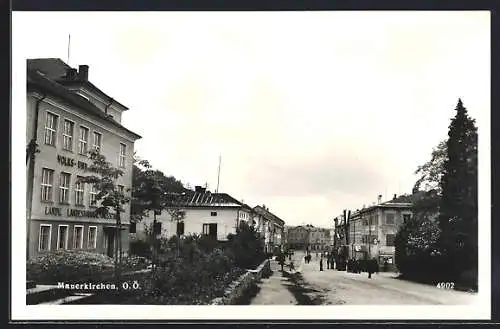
column 55, row 69
column 206, row 199
column 268, row 215
column 38, row 81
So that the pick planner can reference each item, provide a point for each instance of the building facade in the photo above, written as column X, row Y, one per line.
column 204, row 213
column 370, row 232
column 308, row 237
column 67, row 116
column 271, row 228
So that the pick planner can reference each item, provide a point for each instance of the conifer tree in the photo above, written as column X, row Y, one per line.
column 458, row 208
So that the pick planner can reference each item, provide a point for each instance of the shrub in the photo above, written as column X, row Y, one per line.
column 246, row 247
column 140, row 248
column 67, row 265
column 417, row 254
column 133, row 263
column 73, row 265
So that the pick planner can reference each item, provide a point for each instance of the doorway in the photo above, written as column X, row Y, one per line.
column 109, row 241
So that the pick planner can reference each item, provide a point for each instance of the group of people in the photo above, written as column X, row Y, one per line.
column 352, row 265
column 358, row 266
column 330, row 260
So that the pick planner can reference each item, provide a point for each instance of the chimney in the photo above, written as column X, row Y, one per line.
column 379, row 199
column 395, row 196
column 71, row 73
column 83, row 72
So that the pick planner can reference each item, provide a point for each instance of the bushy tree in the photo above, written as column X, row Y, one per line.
column 110, row 197
column 431, row 172
column 246, row 246
column 458, row 209
column 417, row 253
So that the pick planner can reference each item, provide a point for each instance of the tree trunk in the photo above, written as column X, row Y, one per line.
column 153, row 239
column 117, row 239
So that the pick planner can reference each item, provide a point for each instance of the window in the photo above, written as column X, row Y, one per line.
column 367, row 239
column 47, row 181
column 78, row 237
column 50, row 129
column 83, row 140
column 68, row 130
column 133, row 228
column 389, row 240
column 180, row 228
column 97, row 141
column 62, row 237
column 93, row 195
column 213, row 213
column 406, row 217
column 210, row 230
column 123, row 154
column 373, row 220
column 156, row 228
column 64, row 187
column 389, row 219
column 365, row 222
column 92, row 239
column 79, row 190
column 44, row 237
column 121, row 189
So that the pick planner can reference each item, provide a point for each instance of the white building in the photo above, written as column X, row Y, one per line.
column 270, row 226
column 213, row 214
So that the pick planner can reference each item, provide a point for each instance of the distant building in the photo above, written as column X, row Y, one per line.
column 67, row 116
column 370, row 232
column 270, row 226
column 308, row 237
column 205, row 213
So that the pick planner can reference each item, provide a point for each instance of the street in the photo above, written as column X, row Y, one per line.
column 309, row 286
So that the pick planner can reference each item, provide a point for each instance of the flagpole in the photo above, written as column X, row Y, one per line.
column 218, row 176
column 69, row 45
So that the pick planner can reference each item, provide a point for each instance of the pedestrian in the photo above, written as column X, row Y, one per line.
column 321, row 264
column 281, row 261
column 327, row 263
column 372, row 264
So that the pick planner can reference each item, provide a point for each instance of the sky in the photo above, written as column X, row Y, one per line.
column 311, row 112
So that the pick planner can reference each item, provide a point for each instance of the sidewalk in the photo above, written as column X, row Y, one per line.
column 273, row 290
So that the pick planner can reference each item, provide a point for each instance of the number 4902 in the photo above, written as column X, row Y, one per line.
column 446, row 285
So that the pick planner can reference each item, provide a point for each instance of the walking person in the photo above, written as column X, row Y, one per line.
column 321, row 264
column 281, row 261
column 372, row 264
column 327, row 262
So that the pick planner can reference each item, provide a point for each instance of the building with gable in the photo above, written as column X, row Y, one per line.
column 67, row 116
